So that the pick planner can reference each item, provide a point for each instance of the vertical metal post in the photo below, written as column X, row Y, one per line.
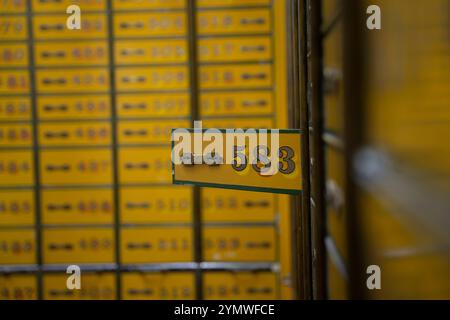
column 195, row 115
column 303, row 106
column 314, row 100
column 296, row 90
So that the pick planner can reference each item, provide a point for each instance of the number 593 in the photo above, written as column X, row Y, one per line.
column 262, row 160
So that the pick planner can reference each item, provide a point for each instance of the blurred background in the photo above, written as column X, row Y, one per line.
column 85, row 163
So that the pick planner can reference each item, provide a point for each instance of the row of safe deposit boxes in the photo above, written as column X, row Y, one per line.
column 85, row 164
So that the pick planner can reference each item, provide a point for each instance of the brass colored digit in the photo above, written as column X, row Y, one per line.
column 243, row 159
column 286, row 156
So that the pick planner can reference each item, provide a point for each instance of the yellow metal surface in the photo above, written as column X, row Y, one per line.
column 337, row 284
column 77, row 245
column 158, row 286
column 18, row 287
column 17, row 247
column 288, row 266
column 245, row 244
column 243, row 174
column 219, row 205
column 17, row 208
column 155, row 205
column 68, row 207
column 404, row 255
column 73, row 107
column 72, row 80
column 94, row 286
column 13, row 55
column 145, row 165
column 251, row 103
column 407, row 117
column 144, row 4
column 236, row 76
column 134, row 46
column 428, row 270
column 153, row 105
column 131, row 52
column 76, row 167
column 412, row 86
column 13, row 28
column 15, row 108
column 156, row 245
column 133, row 25
column 75, row 134
column 239, row 123
column 147, row 132
column 131, row 79
column 235, row 49
column 231, row 3
column 14, row 82
column 60, row 6
column 254, row 21
column 333, row 84
column 71, row 53
column 93, row 26
column 240, row 286
column 286, row 240
column 336, row 208
column 281, row 65
column 16, row 135
column 16, row 168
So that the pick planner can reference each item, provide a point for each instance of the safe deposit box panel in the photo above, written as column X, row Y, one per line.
column 85, row 159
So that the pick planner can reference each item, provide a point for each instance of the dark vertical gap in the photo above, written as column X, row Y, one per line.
column 37, row 176
column 317, row 224
column 195, row 115
column 304, row 202
column 114, row 148
column 354, row 75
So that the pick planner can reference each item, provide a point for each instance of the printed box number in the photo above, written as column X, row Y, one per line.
column 94, row 286
column 17, row 247
column 13, row 55
column 14, row 167
column 19, row 135
column 66, row 53
column 16, row 108
column 14, row 82
column 74, row 107
column 242, row 161
column 18, row 287
column 13, row 28
column 286, row 164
